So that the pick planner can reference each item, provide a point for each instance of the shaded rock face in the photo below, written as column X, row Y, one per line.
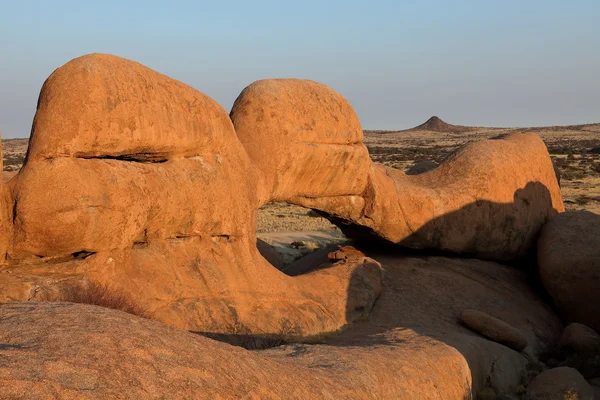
column 569, row 262
column 580, row 348
column 145, row 185
column 269, row 253
column 559, row 384
column 421, row 167
column 494, row 329
column 579, row 338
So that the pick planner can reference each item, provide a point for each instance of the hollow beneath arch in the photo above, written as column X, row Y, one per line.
column 287, row 234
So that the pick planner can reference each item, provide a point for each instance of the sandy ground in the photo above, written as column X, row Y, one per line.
column 283, row 217
column 292, row 246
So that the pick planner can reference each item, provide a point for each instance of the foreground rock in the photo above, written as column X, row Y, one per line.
column 489, row 200
column 411, row 346
column 559, row 384
column 569, row 260
column 494, row 329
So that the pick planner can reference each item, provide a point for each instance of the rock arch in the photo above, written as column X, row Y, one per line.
column 141, row 182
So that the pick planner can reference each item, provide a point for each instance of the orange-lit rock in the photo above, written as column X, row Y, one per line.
column 489, row 200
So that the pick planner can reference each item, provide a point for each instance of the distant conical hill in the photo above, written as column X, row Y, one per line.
column 435, row 124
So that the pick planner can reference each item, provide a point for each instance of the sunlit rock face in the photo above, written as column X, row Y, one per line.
column 142, row 183
column 488, row 200
column 139, row 182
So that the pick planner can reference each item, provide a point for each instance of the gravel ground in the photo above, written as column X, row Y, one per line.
column 283, row 217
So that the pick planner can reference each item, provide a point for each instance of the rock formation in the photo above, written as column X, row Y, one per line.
column 579, row 338
column 137, row 181
column 145, row 189
column 579, row 348
column 128, row 182
column 569, row 260
column 489, row 200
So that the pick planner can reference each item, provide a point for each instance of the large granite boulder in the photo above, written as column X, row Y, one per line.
column 569, row 262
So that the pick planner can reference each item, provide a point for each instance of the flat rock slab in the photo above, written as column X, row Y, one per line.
column 410, row 346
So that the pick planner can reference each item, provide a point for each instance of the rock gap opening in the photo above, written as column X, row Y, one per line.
column 295, row 239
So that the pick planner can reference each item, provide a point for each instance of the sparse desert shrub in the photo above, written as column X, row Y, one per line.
column 570, row 173
column 238, row 334
column 96, row 294
column 583, row 200
column 571, row 394
column 14, row 160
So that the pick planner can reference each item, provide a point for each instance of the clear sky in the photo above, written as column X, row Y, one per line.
column 486, row 63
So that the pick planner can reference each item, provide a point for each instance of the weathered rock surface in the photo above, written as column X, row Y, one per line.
column 489, row 200
column 427, row 294
column 580, row 349
column 410, row 346
column 136, row 181
column 494, row 329
column 304, row 137
column 561, row 383
column 569, row 260
column 580, row 338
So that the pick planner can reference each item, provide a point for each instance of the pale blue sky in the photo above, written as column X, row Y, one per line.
column 490, row 63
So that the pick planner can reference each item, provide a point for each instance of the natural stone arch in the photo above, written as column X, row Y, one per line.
column 489, row 200
column 141, row 182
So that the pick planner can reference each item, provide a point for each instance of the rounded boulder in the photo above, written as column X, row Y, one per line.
column 569, row 262
column 559, row 384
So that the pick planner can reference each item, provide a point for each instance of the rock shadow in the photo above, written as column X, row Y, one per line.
column 425, row 290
